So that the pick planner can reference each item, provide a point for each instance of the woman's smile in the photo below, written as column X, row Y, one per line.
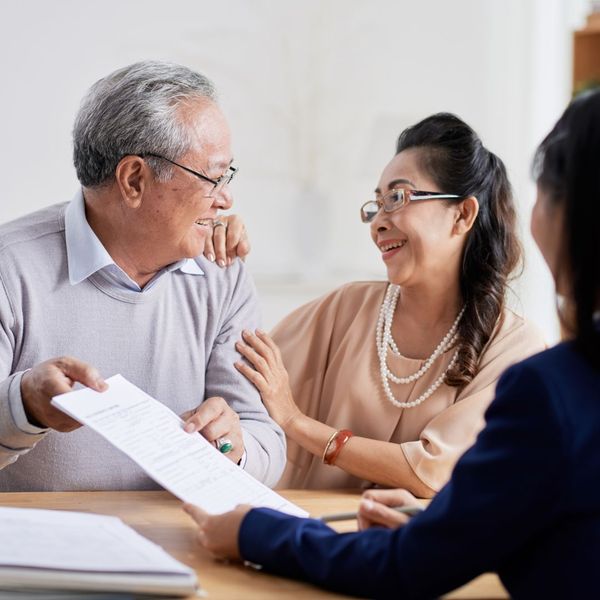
column 390, row 248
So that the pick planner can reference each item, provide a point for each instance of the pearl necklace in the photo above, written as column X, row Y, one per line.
column 385, row 341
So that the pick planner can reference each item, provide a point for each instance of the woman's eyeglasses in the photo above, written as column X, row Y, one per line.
column 396, row 199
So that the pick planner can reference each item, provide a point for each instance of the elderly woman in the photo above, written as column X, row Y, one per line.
column 387, row 382
column 525, row 500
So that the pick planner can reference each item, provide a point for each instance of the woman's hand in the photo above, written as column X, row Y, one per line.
column 268, row 375
column 219, row 533
column 229, row 240
column 374, row 511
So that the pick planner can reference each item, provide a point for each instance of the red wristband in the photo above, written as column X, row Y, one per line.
column 335, row 445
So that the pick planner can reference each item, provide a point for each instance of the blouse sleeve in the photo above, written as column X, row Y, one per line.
column 304, row 338
column 451, row 432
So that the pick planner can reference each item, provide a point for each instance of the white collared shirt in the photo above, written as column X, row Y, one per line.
column 86, row 255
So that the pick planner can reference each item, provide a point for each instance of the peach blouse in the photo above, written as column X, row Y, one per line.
column 328, row 347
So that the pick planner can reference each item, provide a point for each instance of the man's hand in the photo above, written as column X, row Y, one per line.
column 374, row 511
column 214, row 419
column 51, row 378
column 228, row 241
column 219, row 533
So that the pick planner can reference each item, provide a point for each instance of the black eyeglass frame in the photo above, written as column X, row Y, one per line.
column 407, row 196
column 218, row 184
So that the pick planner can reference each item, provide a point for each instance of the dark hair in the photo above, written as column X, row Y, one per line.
column 455, row 158
column 567, row 168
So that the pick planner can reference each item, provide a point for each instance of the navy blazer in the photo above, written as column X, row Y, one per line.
column 524, row 501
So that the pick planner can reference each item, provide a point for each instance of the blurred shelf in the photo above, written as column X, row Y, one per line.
column 586, row 55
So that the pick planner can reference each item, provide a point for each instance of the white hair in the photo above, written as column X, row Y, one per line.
column 135, row 111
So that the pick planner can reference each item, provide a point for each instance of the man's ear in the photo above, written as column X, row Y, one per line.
column 132, row 175
column 466, row 213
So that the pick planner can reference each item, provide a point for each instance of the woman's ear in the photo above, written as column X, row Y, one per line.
column 132, row 175
column 466, row 213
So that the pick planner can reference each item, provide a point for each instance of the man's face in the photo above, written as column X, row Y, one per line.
column 176, row 215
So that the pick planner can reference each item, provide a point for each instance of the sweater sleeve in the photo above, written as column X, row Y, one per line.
column 16, row 436
column 264, row 440
column 504, row 490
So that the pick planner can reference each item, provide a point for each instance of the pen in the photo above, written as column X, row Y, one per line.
column 411, row 511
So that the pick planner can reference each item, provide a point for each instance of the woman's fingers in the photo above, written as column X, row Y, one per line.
column 372, row 513
column 209, row 249
column 219, row 533
column 257, row 361
column 196, row 513
column 375, row 508
column 393, row 497
column 229, row 240
column 237, row 244
column 243, row 248
column 257, row 344
column 252, row 376
column 219, row 239
column 266, row 339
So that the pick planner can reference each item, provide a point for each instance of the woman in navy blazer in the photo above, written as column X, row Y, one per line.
column 524, row 501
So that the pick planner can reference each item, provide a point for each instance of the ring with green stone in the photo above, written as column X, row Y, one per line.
column 225, row 445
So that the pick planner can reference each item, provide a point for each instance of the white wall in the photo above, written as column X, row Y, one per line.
column 316, row 92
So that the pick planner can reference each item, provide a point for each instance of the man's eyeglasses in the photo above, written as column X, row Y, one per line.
column 396, row 199
column 218, row 184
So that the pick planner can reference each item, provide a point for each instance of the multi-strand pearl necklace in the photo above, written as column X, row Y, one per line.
column 385, row 341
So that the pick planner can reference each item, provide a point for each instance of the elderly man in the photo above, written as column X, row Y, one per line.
column 114, row 282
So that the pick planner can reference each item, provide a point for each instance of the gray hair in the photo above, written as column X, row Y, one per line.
column 133, row 111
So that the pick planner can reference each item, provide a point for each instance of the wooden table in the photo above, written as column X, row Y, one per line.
column 158, row 516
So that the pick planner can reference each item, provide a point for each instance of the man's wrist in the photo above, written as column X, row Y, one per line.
column 31, row 418
column 21, row 418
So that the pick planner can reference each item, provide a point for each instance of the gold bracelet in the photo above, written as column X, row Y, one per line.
column 328, row 444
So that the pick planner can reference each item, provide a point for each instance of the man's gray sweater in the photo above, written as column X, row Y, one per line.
column 175, row 341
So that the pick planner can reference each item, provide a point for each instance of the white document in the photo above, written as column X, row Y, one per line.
column 152, row 435
column 62, row 550
column 57, row 539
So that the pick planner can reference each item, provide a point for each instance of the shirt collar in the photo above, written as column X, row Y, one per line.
column 85, row 253
column 189, row 266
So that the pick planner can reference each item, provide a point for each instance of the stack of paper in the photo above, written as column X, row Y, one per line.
column 60, row 550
